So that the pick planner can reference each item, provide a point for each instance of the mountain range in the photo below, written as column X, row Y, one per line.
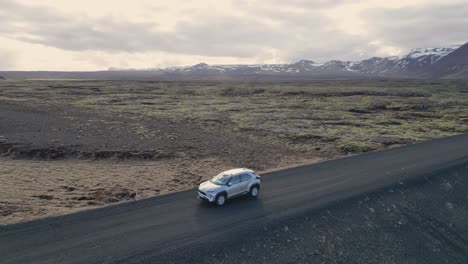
column 423, row 63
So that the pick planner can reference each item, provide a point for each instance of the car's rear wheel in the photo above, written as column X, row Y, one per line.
column 254, row 191
column 220, row 199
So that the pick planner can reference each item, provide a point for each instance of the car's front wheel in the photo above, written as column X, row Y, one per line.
column 254, row 191
column 220, row 199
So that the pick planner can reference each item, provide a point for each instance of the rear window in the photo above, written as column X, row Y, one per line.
column 245, row 177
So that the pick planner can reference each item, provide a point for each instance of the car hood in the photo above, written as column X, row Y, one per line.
column 209, row 186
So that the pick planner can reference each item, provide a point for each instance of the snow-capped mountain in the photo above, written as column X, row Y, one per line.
column 454, row 65
column 415, row 63
column 433, row 53
column 418, row 59
column 424, row 63
column 203, row 68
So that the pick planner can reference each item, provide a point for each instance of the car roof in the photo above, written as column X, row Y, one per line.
column 233, row 172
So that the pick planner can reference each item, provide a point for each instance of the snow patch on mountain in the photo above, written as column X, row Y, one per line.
column 415, row 62
column 438, row 52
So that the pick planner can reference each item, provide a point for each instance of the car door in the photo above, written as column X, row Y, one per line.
column 245, row 180
column 234, row 186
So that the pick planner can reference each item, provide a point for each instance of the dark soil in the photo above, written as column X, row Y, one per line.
column 54, row 133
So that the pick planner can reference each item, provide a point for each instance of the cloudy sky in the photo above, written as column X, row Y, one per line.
column 98, row 34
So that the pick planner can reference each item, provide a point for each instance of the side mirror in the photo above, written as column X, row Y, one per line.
column 229, row 184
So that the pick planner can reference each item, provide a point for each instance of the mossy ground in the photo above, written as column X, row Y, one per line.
column 353, row 116
column 200, row 129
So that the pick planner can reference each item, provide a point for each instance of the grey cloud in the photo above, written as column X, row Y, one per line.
column 310, row 35
column 331, row 48
column 297, row 35
column 213, row 36
column 315, row 4
column 290, row 30
column 303, row 4
column 221, row 36
column 44, row 26
column 246, row 36
column 436, row 25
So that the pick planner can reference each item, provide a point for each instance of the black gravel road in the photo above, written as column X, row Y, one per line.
column 141, row 231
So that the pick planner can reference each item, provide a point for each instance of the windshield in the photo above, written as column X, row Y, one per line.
column 220, row 179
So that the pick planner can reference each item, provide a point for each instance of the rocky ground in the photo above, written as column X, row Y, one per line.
column 414, row 222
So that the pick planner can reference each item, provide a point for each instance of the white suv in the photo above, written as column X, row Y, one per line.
column 229, row 184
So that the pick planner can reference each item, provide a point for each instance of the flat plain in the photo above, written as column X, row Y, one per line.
column 74, row 145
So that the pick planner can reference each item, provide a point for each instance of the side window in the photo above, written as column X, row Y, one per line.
column 245, row 177
column 234, row 180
